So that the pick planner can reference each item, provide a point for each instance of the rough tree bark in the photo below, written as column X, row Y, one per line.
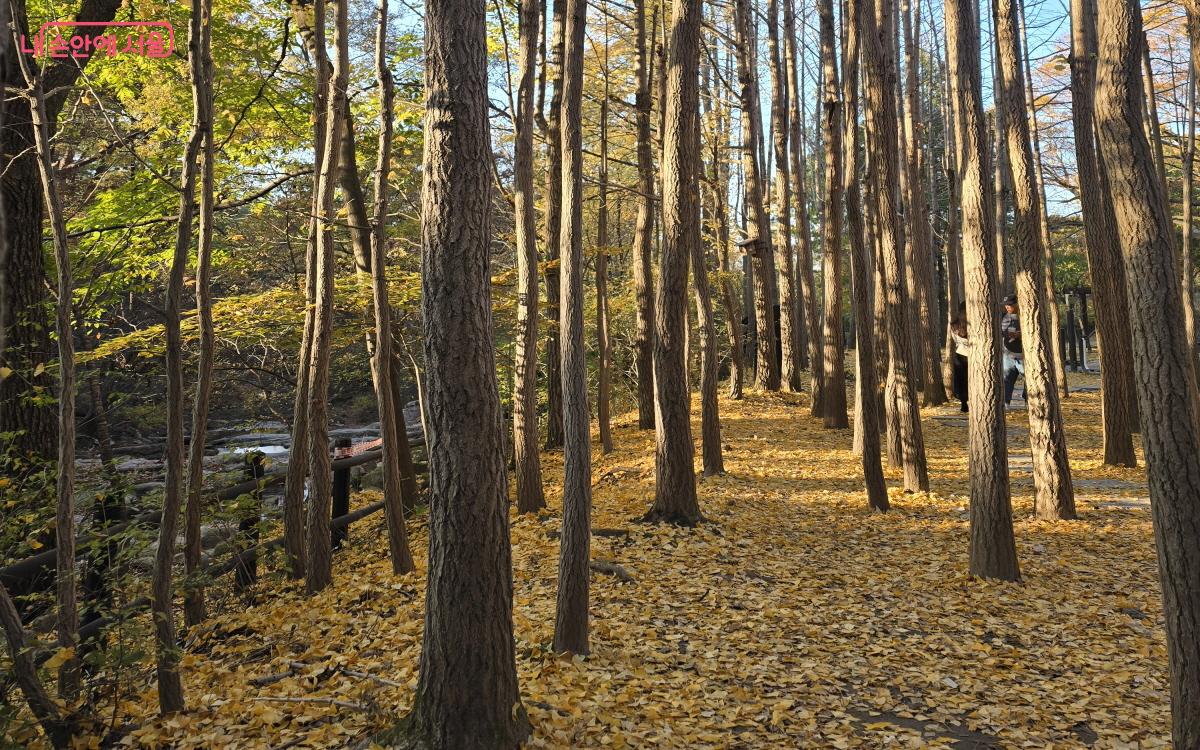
column 320, row 557
column 467, row 695
column 993, row 552
column 1118, row 407
column 1054, row 494
column 530, row 495
column 643, row 281
column 933, row 389
column 758, row 229
column 1161, row 353
column 881, row 125
column 571, row 618
column 1056, row 341
column 866, row 404
column 554, row 395
column 789, row 376
column 675, row 473
column 833, row 402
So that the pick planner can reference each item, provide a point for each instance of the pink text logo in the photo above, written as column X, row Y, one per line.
column 63, row 39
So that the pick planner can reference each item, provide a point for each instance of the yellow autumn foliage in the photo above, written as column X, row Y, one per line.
column 793, row 618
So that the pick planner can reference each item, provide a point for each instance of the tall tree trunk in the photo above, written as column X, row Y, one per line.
column 170, row 687
column 919, row 216
column 1056, row 340
column 1118, row 410
column 66, row 605
column 1055, row 496
column 554, row 395
column 710, row 419
column 1187, row 281
column 789, row 377
column 530, row 495
column 833, row 404
column 952, row 158
column 320, row 559
column 1153, row 132
column 603, row 343
column 295, row 482
column 993, row 552
column 758, row 230
column 1161, row 354
column 881, row 123
column 643, row 282
column 467, row 694
column 395, row 439
column 193, row 601
column 571, row 619
column 866, row 404
column 808, row 328
column 675, row 474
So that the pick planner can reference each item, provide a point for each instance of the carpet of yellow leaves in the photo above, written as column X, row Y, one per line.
column 793, row 617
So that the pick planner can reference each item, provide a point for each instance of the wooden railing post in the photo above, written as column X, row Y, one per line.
column 341, row 496
column 246, row 572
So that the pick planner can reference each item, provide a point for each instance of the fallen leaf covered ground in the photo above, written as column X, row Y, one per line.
column 794, row 617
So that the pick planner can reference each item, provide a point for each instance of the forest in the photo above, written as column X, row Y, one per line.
column 482, row 374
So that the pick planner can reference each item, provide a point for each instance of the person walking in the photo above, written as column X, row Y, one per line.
column 958, row 358
column 1014, row 358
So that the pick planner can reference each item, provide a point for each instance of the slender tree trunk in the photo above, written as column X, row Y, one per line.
column 881, row 123
column 808, row 328
column 1187, row 280
column 1055, row 496
column 60, row 728
column 1052, row 315
column 675, row 473
column 953, row 157
column 1162, row 355
column 170, row 687
column 554, row 395
column 530, row 495
column 385, row 393
column 66, row 605
column 320, row 559
column 833, row 404
column 993, row 552
column 643, row 281
column 467, row 694
column 758, row 231
column 792, row 308
column 603, row 344
column 866, row 404
column 571, row 620
column 294, row 532
column 710, row 419
column 1153, row 132
column 193, row 600
column 919, row 216
column 1118, row 407
column 789, row 377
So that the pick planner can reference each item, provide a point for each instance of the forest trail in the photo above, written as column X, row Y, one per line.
column 793, row 617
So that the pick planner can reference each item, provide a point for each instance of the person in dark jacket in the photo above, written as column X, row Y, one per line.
column 961, row 350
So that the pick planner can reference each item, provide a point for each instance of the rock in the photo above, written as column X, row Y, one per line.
column 139, row 464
